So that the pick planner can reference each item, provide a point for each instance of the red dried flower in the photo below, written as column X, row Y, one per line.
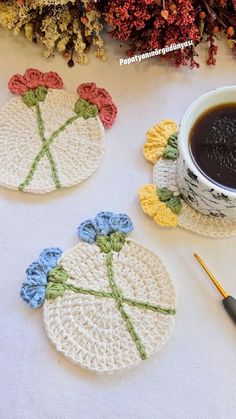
column 148, row 26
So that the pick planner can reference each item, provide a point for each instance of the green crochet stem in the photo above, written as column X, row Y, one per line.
column 48, row 152
column 82, row 109
column 106, row 294
column 57, row 285
column 120, row 305
column 44, row 150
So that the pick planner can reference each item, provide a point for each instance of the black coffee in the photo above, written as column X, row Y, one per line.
column 213, row 144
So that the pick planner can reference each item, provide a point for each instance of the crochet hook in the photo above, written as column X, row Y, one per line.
column 228, row 301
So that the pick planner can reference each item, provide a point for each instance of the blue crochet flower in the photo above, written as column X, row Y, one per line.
column 104, row 224
column 102, row 221
column 87, row 231
column 121, row 223
column 33, row 290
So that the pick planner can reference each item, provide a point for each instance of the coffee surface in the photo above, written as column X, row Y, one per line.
column 212, row 144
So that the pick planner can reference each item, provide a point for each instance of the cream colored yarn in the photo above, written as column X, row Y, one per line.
column 90, row 330
column 164, row 175
column 77, row 151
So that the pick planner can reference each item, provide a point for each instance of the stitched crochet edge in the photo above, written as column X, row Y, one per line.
column 134, row 364
column 188, row 215
column 53, row 189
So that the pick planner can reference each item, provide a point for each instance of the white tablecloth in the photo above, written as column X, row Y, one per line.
column 193, row 376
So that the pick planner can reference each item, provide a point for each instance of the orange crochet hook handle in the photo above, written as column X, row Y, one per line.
column 228, row 301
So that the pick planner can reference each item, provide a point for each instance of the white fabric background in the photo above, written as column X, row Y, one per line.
column 193, row 376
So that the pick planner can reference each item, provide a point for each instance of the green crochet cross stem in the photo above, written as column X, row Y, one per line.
column 45, row 149
column 57, row 285
column 82, row 109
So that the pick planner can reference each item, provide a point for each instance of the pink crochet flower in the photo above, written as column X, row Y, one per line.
column 87, row 91
column 107, row 114
column 102, row 99
column 17, row 84
column 34, row 78
column 52, row 80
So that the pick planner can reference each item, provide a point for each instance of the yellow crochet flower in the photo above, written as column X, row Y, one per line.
column 156, row 209
column 157, row 138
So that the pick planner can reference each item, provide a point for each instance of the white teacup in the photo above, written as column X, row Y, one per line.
column 197, row 190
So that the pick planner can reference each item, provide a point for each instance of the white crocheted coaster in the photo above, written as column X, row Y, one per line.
column 164, row 176
column 109, row 302
column 162, row 200
column 50, row 138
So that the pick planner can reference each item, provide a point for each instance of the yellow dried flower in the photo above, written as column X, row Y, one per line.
column 62, row 43
column 8, row 15
column 29, row 31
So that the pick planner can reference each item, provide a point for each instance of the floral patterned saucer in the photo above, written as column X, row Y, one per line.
column 162, row 200
column 50, row 138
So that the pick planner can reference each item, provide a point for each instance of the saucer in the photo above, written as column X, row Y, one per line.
column 162, row 200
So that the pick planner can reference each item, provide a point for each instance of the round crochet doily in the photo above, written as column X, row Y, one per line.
column 90, row 330
column 77, row 151
column 164, row 176
column 49, row 138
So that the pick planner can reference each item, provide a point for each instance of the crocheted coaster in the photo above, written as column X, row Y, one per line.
column 108, row 302
column 162, row 200
column 50, row 138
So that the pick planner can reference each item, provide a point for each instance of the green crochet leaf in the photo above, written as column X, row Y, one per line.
column 104, row 243
column 171, row 149
column 84, row 109
column 29, row 98
column 54, row 290
column 41, row 93
column 164, row 194
column 175, row 204
column 113, row 242
column 171, row 201
column 58, row 275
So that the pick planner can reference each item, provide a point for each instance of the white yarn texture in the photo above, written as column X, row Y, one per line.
column 77, row 151
column 89, row 330
column 164, row 175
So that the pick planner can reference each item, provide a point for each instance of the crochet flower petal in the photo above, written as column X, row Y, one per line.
column 87, row 91
column 17, row 84
column 102, row 221
column 149, row 200
column 121, row 223
column 165, row 217
column 52, row 80
column 33, row 78
column 101, row 97
column 49, row 257
column 33, row 295
column 36, row 273
column 156, row 209
column 157, row 138
column 34, row 288
column 87, row 231
column 108, row 114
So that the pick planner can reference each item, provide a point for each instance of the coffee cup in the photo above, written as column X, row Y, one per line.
column 196, row 188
